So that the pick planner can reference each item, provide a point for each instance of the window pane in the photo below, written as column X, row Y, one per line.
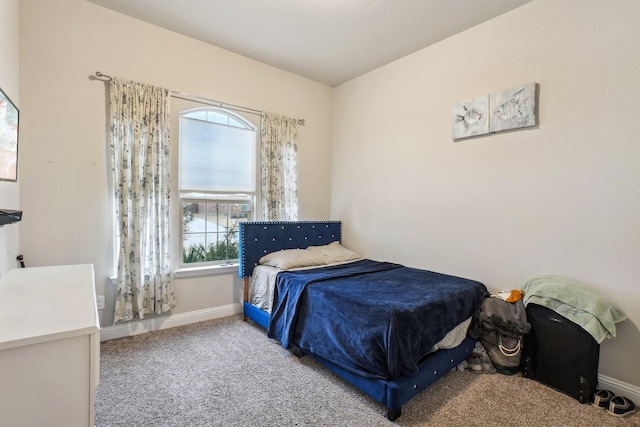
column 210, row 230
column 216, row 157
column 191, row 223
column 214, row 116
column 234, row 122
column 198, row 114
column 194, row 240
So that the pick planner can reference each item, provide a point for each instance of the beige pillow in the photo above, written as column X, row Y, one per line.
column 292, row 258
column 335, row 252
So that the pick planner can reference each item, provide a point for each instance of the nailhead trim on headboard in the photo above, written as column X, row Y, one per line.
column 258, row 238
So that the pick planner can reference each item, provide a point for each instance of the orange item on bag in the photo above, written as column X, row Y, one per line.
column 510, row 296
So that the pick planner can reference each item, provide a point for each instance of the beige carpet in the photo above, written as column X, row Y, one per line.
column 226, row 372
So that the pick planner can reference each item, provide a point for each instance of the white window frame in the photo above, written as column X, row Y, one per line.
column 188, row 196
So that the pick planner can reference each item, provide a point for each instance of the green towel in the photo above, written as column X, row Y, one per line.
column 577, row 302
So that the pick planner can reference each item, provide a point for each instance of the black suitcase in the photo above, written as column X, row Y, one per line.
column 559, row 353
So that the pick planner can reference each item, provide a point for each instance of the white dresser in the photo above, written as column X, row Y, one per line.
column 49, row 346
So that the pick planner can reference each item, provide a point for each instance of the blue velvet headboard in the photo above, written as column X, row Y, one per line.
column 258, row 238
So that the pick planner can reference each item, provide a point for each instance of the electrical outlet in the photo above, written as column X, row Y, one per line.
column 100, row 302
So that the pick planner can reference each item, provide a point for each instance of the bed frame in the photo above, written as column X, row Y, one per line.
column 259, row 238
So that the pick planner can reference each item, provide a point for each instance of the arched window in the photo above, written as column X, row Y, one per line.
column 217, row 183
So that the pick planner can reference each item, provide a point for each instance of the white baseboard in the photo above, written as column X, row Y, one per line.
column 165, row 322
column 619, row 388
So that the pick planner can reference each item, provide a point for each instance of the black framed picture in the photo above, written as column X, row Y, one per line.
column 9, row 115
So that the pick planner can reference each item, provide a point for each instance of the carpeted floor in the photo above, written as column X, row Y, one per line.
column 226, row 372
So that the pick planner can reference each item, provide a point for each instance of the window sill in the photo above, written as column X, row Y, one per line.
column 208, row 270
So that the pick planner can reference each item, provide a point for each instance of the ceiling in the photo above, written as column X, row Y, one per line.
column 328, row 41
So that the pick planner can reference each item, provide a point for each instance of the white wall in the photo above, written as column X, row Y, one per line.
column 9, row 82
column 562, row 198
column 64, row 158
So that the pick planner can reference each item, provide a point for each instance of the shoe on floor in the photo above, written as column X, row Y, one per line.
column 601, row 398
column 621, row 407
column 474, row 363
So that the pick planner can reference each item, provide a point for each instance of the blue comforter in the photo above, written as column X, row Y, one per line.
column 376, row 319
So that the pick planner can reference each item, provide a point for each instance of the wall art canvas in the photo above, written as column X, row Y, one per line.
column 512, row 108
column 8, row 139
column 471, row 117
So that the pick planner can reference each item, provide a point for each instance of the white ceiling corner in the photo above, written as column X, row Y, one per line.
column 328, row 41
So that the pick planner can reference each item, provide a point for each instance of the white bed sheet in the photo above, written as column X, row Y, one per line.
column 263, row 282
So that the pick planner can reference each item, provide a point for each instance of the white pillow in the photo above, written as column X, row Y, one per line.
column 292, row 258
column 335, row 252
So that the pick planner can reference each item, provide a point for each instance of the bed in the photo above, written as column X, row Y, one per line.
column 380, row 326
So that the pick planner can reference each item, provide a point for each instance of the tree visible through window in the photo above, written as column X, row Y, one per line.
column 217, row 183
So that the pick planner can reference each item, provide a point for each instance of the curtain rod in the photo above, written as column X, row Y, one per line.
column 176, row 94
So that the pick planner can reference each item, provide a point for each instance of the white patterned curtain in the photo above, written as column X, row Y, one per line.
column 140, row 149
column 279, row 170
